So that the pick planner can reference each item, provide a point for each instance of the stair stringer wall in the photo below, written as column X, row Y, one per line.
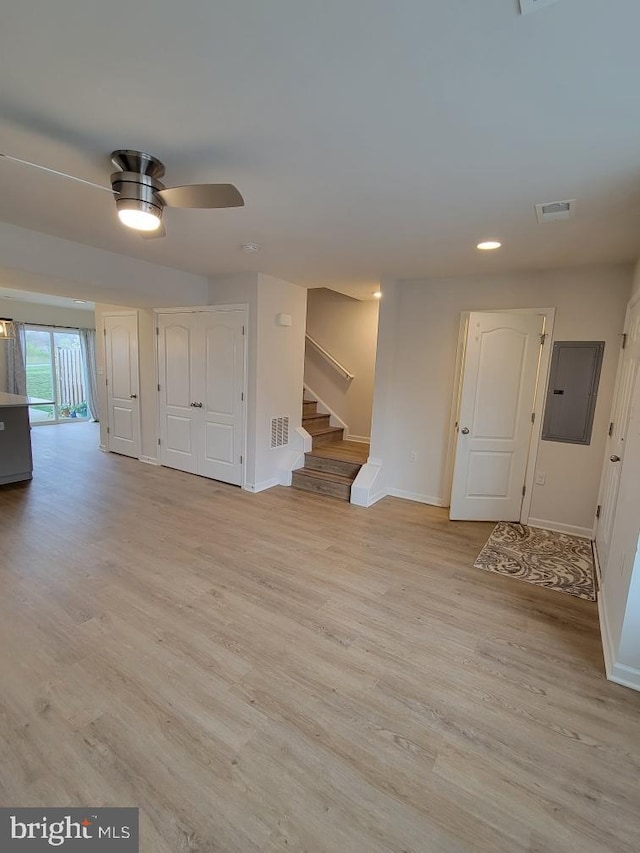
column 334, row 419
column 301, row 442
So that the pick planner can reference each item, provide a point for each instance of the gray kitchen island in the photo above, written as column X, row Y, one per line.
column 15, row 437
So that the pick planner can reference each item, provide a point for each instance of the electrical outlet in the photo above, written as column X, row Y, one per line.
column 413, row 456
column 541, row 478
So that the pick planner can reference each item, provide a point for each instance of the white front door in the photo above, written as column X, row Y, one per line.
column 500, row 372
column 179, row 415
column 620, row 422
column 121, row 361
column 222, row 394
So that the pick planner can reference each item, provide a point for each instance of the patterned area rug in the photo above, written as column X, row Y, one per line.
column 554, row 560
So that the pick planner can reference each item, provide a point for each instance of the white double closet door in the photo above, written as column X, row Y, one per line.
column 201, row 378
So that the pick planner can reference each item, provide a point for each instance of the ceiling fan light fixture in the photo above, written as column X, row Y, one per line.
column 139, row 215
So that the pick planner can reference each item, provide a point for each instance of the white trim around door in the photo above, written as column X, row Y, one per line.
column 541, row 387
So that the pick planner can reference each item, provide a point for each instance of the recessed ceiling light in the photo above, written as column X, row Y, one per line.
column 250, row 248
column 377, row 294
column 489, row 245
column 80, row 301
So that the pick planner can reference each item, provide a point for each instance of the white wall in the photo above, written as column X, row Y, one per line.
column 46, row 315
column 635, row 289
column 275, row 368
column 44, row 264
column 280, row 375
column 242, row 289
column 347, row 328
column 419, row 328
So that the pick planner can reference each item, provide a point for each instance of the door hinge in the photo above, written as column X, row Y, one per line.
column 533, row 417
column 598, row 511
column 242, row 396
column 241, row 460
column 624, row 340
column 108, row 431
column 158, row 442
column 610, row 429
column 106, row 381
column 243, row 330
column 157, row 330
column 104, row 332
column 158, row 386
column 543, row 338
column 524, row 490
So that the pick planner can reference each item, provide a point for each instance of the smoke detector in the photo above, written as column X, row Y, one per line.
column 527, row 6
column 552, row 211
column 250, row 248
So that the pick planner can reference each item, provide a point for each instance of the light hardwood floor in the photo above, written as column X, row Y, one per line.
column 284, row 671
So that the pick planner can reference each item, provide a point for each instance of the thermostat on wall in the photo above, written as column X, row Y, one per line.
column 284, row 320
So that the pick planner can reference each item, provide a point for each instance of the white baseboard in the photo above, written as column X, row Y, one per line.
column 619, row 673
column 261, row 487
column 415, row 496
column 104, row 448
column 374, row 498
column 627, row 676
column 570, row 529
column 361, row 439
column 149, row 460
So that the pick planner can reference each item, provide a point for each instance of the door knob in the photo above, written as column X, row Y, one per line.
column 465, row 430
column 197, row 405
column 614, row 458
column 133, row 396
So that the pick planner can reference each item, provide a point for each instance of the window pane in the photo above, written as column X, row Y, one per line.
column 39, row 373
column 72, row 400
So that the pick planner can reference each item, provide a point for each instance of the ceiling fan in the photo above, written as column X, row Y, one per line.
column 141, row 197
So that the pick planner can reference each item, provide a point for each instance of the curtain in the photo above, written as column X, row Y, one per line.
column 88, row 349
column 13, row 376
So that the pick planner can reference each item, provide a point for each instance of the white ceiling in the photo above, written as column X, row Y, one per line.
column 368, row 137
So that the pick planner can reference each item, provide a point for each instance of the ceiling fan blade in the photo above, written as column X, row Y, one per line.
column 152, row 235
column 202, row 195
column 55, row 172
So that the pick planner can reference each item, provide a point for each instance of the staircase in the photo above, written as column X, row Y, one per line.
column 333, row 463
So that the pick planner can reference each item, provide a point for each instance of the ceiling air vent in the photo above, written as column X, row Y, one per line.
column 279, row 432
column 552, row 211
column 527, row 6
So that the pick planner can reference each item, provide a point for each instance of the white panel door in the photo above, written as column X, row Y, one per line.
column 180, row 421
column 121, row 357
column 494, row 428
column 222, row 412
column 615, row 451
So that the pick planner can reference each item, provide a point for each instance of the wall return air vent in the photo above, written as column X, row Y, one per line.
column 552, row 211
column 279, row 432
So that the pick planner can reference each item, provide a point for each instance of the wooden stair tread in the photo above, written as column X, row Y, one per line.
column 325, row 475
column 315, row 416
column 345, row 451
column 323, row 430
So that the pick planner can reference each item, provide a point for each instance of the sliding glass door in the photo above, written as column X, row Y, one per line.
column 55, row 372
